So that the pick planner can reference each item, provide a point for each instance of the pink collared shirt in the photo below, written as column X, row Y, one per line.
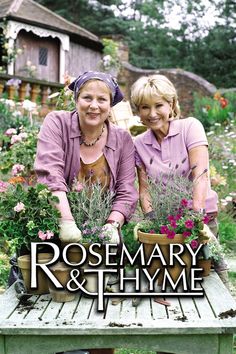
column 57, row 160
column 183, row 135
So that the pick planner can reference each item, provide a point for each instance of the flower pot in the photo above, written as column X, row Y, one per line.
column 91, row 284
column 24, row 263
column 150, row 240
column 205, row 264
column 62, row 272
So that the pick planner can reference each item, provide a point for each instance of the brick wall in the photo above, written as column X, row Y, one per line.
column 185, row 82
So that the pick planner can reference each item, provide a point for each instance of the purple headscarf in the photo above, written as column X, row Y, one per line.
column 117, row 95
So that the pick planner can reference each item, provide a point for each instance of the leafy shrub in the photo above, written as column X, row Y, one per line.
column 219, row 109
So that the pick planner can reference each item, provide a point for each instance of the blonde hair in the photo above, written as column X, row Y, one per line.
column 147, row 87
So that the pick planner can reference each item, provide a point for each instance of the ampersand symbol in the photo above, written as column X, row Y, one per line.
column 74, row 275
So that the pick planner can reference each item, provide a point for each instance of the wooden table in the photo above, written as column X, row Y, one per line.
column 188, row 326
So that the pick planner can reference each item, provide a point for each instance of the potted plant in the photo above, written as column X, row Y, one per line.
column 90, row 206
column 28, row 215
column 172, row 220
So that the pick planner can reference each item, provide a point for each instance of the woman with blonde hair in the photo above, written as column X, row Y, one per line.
column 169, row 141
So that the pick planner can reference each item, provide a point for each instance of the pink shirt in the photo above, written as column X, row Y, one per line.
column 183, row 135
column 57, row 160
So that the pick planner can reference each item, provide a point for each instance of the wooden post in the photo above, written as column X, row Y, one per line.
column 35, row 91
column 22, row 91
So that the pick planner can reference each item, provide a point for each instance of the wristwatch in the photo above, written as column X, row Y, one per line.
column 113, row 222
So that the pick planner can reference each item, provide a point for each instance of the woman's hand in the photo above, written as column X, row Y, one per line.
column 69, row 232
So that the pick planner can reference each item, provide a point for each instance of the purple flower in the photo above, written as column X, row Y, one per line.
column 189, row 224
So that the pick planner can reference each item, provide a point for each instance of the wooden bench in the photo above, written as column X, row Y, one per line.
column 189, row 326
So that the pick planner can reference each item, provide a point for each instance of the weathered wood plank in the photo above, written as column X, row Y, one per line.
column 144, row 310
column 174, row 311
column 8, row 302
column 219, row 297
column 83, row 309
column 189, row 309
column 159, row 311
column 23, row 309
column 68, row 309
column 204, row 308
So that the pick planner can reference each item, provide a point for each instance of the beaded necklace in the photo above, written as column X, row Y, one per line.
column 93, row 142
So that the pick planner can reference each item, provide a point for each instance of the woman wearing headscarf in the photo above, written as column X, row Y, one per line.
column 83, row 144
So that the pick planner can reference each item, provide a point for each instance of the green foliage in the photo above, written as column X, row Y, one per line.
column 22, row 152
column 10, row 117
column 218, row 109
column 27, row 213
column 205, row 49
column 90, row 206
column 227, row 227
column 128, row 236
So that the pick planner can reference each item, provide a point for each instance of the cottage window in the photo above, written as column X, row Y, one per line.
column 43, row 56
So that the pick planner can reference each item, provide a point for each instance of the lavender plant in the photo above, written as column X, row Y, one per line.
column 90, row 206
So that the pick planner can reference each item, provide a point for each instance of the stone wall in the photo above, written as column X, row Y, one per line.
column 185, row 82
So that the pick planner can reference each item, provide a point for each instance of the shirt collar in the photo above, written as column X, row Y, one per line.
column 174, row 129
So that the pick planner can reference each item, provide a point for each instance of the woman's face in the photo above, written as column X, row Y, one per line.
column 155, row 113
column 94, row 103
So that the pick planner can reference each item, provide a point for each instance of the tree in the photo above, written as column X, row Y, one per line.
column 156, row 40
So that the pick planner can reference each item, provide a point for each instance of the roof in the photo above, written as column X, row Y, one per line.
column 29, row 11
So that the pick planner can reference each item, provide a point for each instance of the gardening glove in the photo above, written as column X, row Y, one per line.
column 206, row 234
column 111, row 231
column 69, row 232
column 150, row 215
column 138, row 226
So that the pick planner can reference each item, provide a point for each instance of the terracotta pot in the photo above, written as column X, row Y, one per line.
column 62, row 272
column 24, row 263
column 150, row 240
column 205, row 264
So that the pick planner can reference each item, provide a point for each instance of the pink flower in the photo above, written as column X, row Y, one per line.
column 16, row 169
column 19, row 207
column 194, row 244
column 189, row 224
column 15, row 139
column 164, row 229
column 170, row 218
column 186, row 233
column 45, row 236
column 170, row 234
column 151, row 231
column 49, row 234
column 206, row 219
column 184, row 202
column 173, row 224
column 10, row 132
column 178, row 216
column 3, row 186
column 42, row 235
column 79, row 187
column 23, row 135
